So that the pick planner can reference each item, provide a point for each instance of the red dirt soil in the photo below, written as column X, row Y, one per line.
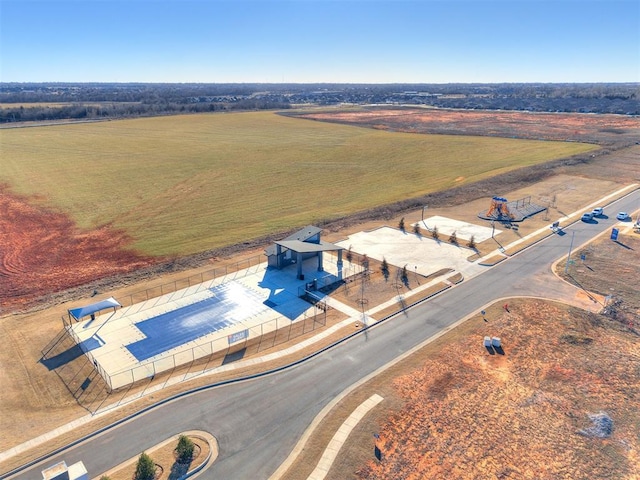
column 604, row 129
column 42, row 251
column 470, row 415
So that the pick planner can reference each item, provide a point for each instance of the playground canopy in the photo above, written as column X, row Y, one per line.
column 81, row 312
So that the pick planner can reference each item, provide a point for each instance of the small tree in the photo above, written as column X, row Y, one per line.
column 365, row 262
column 105, row 477
column 145, row 469
column 185, row 449
column 472, row 242
column 349, row 255
column 416, row 228
column 384, row 268
column 453, row 238
column 434, row 233
column 401, row 225
column 404, row 276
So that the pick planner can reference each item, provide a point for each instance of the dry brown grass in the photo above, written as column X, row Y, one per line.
column 454, row 411
column 621, row 283
column 455, row 279
column 405, row 301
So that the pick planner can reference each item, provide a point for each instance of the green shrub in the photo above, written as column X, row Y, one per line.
column 185, row 449
column 145, row 469
column 404, row 276
column 384, row 268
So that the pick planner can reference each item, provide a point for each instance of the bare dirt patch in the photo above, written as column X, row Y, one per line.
column 592, row 264
column 603, row 129
column 468, row 414
column 43, row 252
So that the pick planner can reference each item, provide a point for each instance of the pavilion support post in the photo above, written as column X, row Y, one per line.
column 339, row 264
column 320, row 267
column 299, row 261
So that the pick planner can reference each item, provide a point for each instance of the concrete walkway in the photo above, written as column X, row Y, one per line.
column 332, row 450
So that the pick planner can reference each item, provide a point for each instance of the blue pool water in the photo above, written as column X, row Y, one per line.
column 230, row 303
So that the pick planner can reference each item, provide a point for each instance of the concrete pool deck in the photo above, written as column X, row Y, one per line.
column 161, row 333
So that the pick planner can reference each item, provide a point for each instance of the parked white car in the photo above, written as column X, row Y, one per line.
column 598, row 212
column 622, row 216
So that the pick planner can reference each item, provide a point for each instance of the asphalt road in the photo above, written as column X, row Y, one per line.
column 258, row 422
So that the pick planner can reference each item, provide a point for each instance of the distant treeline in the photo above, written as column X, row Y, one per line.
column 103, row 100
column 93, row 111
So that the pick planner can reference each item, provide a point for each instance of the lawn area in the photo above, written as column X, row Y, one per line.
column 184, row 184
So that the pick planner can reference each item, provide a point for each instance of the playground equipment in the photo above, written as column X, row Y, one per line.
column 507, row 212
column 499, row 209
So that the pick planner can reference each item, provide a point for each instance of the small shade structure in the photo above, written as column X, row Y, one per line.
column 87, row 310
column 304, row 249
column 300, row 246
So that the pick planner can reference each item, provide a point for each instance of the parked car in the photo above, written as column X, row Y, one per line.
column 587, row 217
column 598, row 212
column 622, row 216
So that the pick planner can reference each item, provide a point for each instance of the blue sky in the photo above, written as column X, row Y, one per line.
column 307, row 41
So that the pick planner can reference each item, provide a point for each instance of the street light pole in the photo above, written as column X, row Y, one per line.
column 566, row 267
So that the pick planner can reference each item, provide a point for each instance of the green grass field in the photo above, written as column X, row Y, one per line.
column 184, row 184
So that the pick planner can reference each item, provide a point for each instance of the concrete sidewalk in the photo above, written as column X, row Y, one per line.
column 340, row 437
